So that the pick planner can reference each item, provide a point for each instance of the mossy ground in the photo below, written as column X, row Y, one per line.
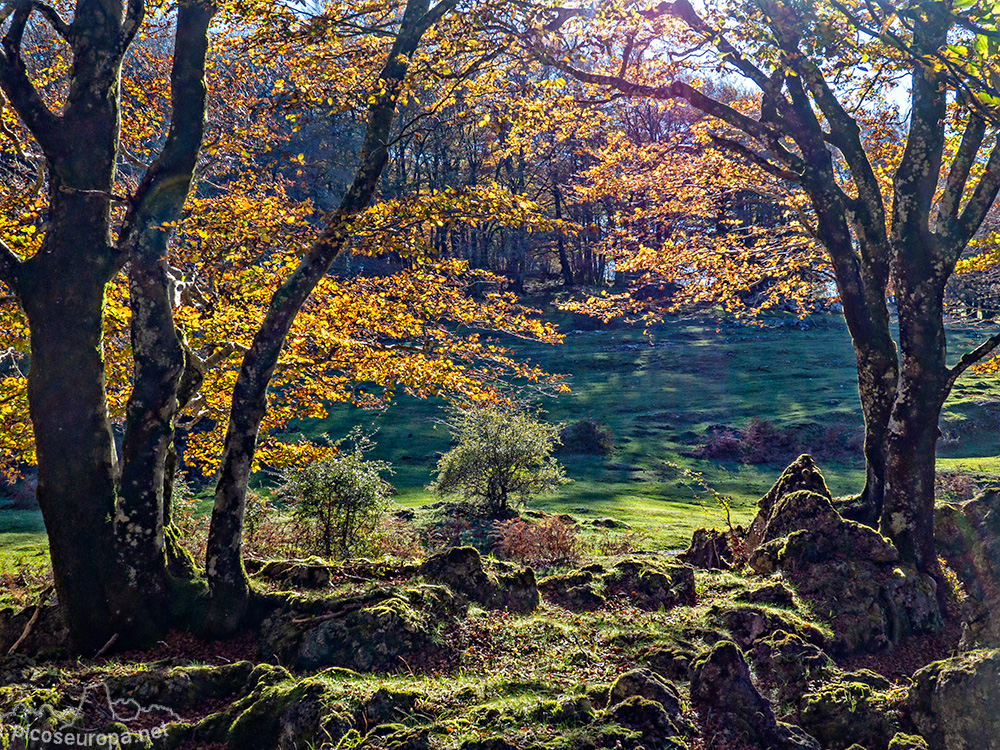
column 538, row 680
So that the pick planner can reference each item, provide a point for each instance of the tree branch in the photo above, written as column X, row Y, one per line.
column 163, row 189
column 970, row 358
column 756, row 159
column 961, row 166
column 982, row 198
column 10, row 267
column 16, row 84
column 55, row 20
column 134, row 15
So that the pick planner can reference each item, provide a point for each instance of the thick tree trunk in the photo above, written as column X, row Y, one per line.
column 76, row 489
column 911, row 439
column 76, row 484
column 877, row 376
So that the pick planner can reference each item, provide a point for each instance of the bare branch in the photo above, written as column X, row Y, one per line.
column 55, row 20
column 970, row 358
column 756, row 159
column 961, row 166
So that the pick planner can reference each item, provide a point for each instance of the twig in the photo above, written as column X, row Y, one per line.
column 31, row 623
column 107, row 646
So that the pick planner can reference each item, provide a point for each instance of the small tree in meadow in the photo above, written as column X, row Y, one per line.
column 503, row 457
column 337, row 502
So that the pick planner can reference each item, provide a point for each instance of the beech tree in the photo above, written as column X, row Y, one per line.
column 86, row 207
column 818, row 71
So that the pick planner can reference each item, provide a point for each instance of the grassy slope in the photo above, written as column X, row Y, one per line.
column 659, row 395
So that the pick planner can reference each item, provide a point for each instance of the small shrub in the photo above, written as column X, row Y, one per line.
column 396, row 538
column 549, row 542
column 269, row 533
column 720, row 445
column 760, row 441
column 609, row 543
column 503, row 457
column 587, row 436
column 336, row 503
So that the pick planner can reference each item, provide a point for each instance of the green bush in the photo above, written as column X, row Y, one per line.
column 587, row 436
column 503, row 457
column 337, row 502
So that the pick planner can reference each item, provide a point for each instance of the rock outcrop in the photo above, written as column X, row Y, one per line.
column 723, row 693
column 461, row 569
column 800, row 534
column 955, row 703
column 967, row 536
column 389, row 629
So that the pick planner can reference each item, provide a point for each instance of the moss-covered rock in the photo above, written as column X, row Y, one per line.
column 573, row 591
column 649, row 685
column 908, row 742
column 801, row 474
column 967, row 536
column 787, row 663
column 313, row 573
column 651, row 585
column 775, row 594
column 647, row 718
column 572, row 710
column 955, row 703
column 816, row 550
column 710, row 549
column 461, row 569
column 181, row 688
column 386, row 630
column 746, row 624
column 386, row 706
column 846, row 713
column 667, row 661
column 515, row 592
column 725, row 696
column 397, row 737
column 287, row 716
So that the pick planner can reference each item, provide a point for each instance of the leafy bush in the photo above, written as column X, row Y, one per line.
column 336, row 503
column 549, row 542
column 503, row 457
column 587, row 436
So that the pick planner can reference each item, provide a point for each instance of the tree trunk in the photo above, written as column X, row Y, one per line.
column 230, row 595
column 911, row 439
column 64, row 304
column 567, row 271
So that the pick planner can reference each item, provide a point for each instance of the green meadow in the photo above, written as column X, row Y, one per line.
column 665, row 394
